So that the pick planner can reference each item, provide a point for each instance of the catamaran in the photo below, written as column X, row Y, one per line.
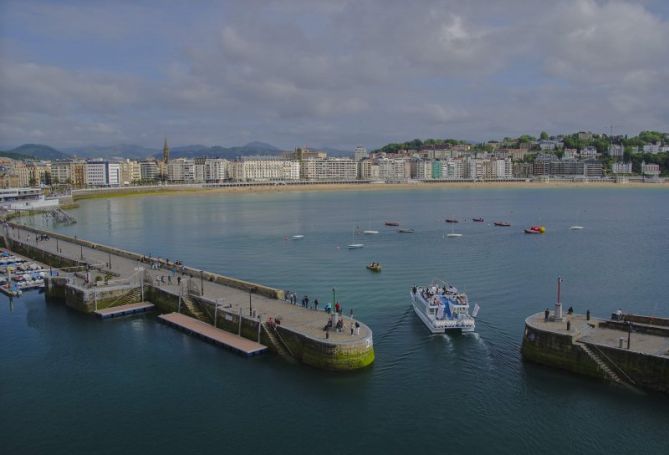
column 443, row 308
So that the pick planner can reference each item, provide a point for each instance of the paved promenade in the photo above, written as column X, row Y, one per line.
column 305, row 321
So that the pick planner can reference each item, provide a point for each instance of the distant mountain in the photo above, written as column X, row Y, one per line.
column 134, row 152
column 39, row 152
column 16, row 156
column 250, row 149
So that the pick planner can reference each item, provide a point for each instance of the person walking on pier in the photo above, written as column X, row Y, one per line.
column 316, row 304
column 337, row 308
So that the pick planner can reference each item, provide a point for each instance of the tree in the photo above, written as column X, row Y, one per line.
column 543, row 136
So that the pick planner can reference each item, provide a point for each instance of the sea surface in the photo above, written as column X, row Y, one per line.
column 70, row 384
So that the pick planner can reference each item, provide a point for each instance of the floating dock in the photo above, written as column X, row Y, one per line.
column 124, row 310
column 211, row 334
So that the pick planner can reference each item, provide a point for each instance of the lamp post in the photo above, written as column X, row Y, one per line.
column 251, row 290
column 81, row 252
column 201, row 282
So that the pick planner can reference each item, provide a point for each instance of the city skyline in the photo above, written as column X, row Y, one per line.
column 318, row 74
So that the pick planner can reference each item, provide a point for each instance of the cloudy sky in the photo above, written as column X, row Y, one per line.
column 335, row 73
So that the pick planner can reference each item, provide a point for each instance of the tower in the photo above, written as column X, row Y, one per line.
column 166, row 152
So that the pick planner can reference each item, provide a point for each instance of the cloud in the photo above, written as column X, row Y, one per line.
column 331, row 73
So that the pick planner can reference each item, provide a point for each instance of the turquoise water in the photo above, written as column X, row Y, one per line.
column 72, row 384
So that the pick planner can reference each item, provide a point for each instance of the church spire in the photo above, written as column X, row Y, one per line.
column 166, row 152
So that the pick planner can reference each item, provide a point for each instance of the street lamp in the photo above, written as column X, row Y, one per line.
column 251, row 290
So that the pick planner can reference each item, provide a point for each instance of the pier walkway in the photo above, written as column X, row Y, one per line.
column 306, row 322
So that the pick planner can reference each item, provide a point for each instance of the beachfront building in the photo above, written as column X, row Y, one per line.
column 215, row 170
column 258, row 169
column 651, row 169
column 185, row 170
column 149, row 171
column 393, row 169
column 130, row 172
column 102, row 173
column 621, row 168
column 421, row 169
column 342, row 169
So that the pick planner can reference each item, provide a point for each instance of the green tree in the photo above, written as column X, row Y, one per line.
column 543, row 136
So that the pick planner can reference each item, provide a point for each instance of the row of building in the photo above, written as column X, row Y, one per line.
column 457, row 162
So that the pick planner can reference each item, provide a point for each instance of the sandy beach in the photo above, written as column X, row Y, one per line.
column 273, row 188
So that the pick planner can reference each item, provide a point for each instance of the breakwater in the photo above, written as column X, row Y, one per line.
column 105, row 276
column 629, row 353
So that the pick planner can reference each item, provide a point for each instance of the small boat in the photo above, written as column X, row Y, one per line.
column 478, row 220
column 355, row 246
column 298, row 237
column 451, row 220
column 391, row 223
column 502, row 223
column 370, row 232
column 453, row 234
column 374, row 267
column 535, row 230
column 406, row 231
column 575, row 228
column 443, row 308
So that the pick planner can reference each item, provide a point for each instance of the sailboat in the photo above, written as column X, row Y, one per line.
column 354, row 246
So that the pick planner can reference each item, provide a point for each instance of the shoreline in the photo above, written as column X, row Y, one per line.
column 273, row 188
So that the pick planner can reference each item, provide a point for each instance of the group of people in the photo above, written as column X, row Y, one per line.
column 39, row 237
column 339, row 325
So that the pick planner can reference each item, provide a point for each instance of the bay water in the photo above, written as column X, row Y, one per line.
column 72, row 384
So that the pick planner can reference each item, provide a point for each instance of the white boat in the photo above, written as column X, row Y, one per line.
column 298, row 237
column 575, row 228
column 443, row 308
column 453, row 234
column 370, row 232
column 354, row 246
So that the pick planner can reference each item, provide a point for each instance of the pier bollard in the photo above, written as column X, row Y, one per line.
column 568, row 326
column 587, row 315
column 621, row 342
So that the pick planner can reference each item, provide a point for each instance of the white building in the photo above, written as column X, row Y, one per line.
column 616, row 150
column 650, row 169
column 392, row 169
column 216, row 170
column 360, row 153
column 652, row 148
column 102, row 173
column 329, row 169
column 588, row 153
column 621, row 168
column 453, row 169
column 502, row 168
column 250, row 169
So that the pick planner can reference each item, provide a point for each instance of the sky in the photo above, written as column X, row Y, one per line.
column 328, row 73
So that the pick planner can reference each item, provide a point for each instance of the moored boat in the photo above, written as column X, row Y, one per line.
column 443, row 308
column 451, row 220
column 355, row 246
column 298, row 237
column 370, row 232
column 502, row 223
column 575, row 228
column 478, row 220
column 406, row 231
column 391, row 223
column 535, row 230
column 374, row 267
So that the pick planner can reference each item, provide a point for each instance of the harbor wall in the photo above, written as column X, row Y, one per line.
column 90, row 299
column 190, row 271
column 328, row 356
column 559, row 351
column 647, row 371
